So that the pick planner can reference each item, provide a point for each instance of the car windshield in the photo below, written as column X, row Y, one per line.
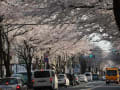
column 87, row 74
column 16, row 75
column 111, row 72
column 95, row 75
column 60, row 76
column 81, row 76
column 41, row 74
column 24, row 75
column 9, row 81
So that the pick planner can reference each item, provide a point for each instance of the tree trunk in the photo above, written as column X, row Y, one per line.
column 4, row 55
column 29, row 74
column 116, row 8
column 7, row 64
column 8, row 73
column 1, row 54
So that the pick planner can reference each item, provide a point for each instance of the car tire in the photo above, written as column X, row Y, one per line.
column 107, row 83
column 66, row 86
column 52, row 88
column 35, row 88
column 117, row 82
column 56, row 89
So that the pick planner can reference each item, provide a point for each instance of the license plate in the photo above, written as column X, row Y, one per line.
column 42, row 81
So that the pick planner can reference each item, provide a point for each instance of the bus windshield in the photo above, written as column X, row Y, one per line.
column 111, row 72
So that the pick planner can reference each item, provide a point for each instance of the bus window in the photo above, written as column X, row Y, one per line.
column 111, row 72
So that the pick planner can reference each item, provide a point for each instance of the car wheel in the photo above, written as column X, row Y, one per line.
column 107, row 83
column 53, row 88
column 66, row 86
column 35, row 89
column 56, row 89
column 117, row 82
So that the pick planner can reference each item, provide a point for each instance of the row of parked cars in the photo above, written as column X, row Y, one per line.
column 75, row 79
column 40, row 78
column 68, row 79
column 15, row 82
column 43, row 78
column 12, row 83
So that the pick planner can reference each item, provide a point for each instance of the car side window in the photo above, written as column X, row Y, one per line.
column 22, row 82
column 19, row 81
column 53, row 74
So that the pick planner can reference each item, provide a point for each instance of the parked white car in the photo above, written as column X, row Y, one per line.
column 89, row 76
column 82, row 78
column 45, row 78
column 103, row 78
column 63, row 80
column 12, row 83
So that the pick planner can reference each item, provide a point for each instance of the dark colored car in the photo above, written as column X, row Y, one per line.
column 95, row 77
column 73, row 79
column 70, row 77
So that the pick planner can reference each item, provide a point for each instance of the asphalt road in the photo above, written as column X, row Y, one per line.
column 95, row 85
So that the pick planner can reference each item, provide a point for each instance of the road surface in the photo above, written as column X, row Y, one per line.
column 94, row 85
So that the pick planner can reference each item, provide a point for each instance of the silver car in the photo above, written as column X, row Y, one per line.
column 45, row 78
column 82, row 78
column 63, row 80
column 12, row 83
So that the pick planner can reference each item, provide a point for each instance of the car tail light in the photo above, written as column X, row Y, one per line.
column 33, row 81
column 18, row 87
column 76, row 79
column 42, row 70
column 6, row 83
column 51, row 80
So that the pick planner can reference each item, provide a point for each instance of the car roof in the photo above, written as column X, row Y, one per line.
column 81, row 75
column 88, row 73
column 16, row 74
column 61, row 74
column 12, row 78
column 44, row 70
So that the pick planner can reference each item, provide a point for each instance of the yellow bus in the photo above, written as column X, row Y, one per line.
column 112, row 75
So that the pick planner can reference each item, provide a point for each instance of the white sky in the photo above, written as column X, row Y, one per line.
column 96, row 40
